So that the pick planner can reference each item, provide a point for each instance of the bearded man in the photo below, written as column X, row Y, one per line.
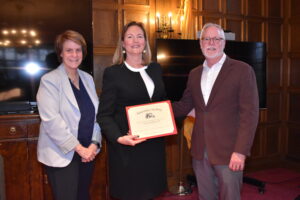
column 223, row 92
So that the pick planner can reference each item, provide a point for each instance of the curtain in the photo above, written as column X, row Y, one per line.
column 187, row 23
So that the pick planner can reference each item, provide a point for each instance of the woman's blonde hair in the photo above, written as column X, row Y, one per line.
column 119, row 56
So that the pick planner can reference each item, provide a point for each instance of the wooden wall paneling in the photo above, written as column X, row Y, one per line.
column 255, row 8
column 195, row 4
column 274, row 73
column 274, row 105
column 294, row 39
column 257, row 147
column 211, row 6
column 105, row 32
column 272, row 146
column 100, row 63
column 197, row 25
column 106, row 17
column 274, row 35
column 294, row 8
column 294, row 107
column 235, row 25
column 137, row 15
column 105, row 1
column 292, row 23
column 293, row 149
column 294, row 73
column 274, row 8
column 199, row 20
column 285, row 64
column 164, row 6
column 254, row 30
column 234, row 7
column 211, row 19
column 137, row 2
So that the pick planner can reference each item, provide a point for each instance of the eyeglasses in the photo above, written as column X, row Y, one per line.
column 216, row 40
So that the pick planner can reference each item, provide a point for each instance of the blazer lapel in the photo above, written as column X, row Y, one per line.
column 198, row 87
column 66, row 86
column 224, row 72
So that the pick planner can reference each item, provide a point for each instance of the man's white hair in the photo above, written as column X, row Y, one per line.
column 220, row 29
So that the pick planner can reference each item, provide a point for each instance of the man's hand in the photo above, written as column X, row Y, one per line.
column 237, row 162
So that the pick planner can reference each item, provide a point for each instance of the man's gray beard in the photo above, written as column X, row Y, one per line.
column 214, row 56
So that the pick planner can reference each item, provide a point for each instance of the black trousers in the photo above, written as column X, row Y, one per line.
column 73, row 181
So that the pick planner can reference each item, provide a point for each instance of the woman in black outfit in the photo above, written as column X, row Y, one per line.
column 136, row 167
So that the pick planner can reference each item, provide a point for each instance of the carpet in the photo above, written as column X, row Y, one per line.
column 281, row 184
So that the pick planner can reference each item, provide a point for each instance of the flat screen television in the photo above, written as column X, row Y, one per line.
column 178, row 57
column 28, row 30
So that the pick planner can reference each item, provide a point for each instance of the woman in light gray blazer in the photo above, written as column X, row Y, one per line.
column 69, row 136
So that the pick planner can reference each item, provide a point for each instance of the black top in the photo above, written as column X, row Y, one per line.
column 87, row 111
column 135, row 173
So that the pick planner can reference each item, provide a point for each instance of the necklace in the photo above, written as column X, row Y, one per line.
column 73, row 76
column 74, row 79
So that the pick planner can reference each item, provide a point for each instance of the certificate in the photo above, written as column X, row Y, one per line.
column 151, row 120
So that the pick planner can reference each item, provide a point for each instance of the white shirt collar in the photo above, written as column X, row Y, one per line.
column 219, row 63
column 135, row 69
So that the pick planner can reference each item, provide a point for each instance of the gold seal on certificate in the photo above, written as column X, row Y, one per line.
column 151, row 120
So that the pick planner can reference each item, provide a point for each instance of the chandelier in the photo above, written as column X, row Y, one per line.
column 14, row 37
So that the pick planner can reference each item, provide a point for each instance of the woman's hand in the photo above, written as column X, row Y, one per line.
column 130, row 140
column 86, row 154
